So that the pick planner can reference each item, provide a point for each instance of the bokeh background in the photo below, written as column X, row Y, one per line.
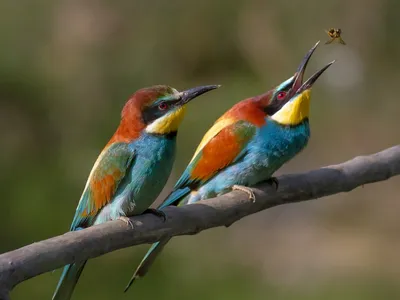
column 67, row 68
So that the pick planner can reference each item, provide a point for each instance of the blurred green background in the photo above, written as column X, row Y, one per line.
column 67, row 68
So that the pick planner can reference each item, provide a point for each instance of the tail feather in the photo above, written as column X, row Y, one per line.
column 175, row 197
column 147, row 261
column 68, row 280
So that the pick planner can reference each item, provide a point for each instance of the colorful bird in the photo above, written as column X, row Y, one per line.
column 133, row 167
column 244, row 147
column 335, row 34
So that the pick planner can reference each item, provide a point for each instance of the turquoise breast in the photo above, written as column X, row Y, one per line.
column 151, row 168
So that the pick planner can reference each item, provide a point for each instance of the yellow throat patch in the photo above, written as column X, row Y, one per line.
column 295, row 111
column 167, row 123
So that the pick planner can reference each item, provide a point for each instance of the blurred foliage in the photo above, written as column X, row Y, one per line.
column 66, row 68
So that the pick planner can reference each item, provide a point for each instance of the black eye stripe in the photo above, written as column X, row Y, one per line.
column 276, row 103
column 153, row 112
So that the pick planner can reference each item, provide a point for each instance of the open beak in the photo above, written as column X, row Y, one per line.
column 299, row 75
column 310, row 81
column 192, row 93
column 298, row 85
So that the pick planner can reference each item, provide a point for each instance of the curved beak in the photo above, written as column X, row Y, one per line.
column 299, row 75
column 192, row 93
column 310, row 81
column 298, row 85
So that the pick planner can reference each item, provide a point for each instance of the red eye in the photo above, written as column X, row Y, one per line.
column 162, row 106
column 281, row 95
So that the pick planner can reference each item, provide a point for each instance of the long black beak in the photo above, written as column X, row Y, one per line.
column 299, row 75
column 309, row 83
column 192, row 93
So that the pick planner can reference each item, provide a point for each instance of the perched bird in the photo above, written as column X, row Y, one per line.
column 133, row 167
column 244, row 147
column 335, row 34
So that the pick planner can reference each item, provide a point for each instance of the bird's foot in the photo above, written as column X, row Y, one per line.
column 126, row 220
column 156, row 212
column 274, row 181
column 245, row 189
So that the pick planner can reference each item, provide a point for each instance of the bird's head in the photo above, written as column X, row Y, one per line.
column 159, row 109
column 273, row 100
column 290, row 102
column 283, row 97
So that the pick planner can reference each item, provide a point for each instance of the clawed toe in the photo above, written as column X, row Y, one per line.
column 156, row 212
column 247, row 190
column 126, row 220
column 274, row 181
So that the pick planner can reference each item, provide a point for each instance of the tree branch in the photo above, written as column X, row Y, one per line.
column 37, row 258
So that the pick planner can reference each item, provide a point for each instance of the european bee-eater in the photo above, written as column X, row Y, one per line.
column 133, row 167
column 244, row 147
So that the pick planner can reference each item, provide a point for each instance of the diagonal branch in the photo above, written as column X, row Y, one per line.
column 37, row 258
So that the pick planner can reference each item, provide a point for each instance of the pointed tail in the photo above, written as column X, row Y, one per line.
column 147, row 261
column 68, row 280
column 173, row 199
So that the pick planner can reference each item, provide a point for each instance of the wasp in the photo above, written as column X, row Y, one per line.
column 335, row 34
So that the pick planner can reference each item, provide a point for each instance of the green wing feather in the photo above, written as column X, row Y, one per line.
column 108, row 171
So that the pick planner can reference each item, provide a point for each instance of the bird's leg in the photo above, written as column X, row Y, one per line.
column 245, row 189
column 126, row 220
column 156, row 212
